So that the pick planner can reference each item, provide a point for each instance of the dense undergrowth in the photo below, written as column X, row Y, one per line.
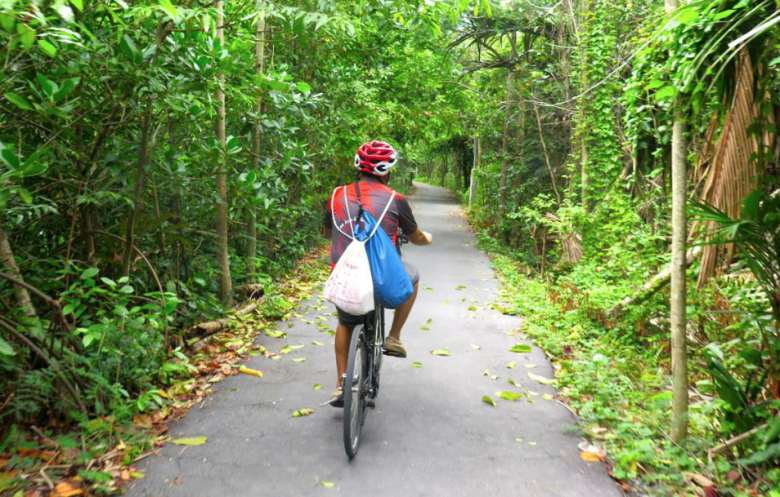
column 615, row 374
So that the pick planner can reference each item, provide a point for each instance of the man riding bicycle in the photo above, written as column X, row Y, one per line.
column 374, row 160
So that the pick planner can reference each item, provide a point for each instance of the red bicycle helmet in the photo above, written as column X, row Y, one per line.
column 376, row 157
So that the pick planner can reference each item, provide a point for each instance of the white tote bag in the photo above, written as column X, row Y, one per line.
column 350, row 287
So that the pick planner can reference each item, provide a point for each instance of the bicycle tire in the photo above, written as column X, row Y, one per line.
column 354, row 392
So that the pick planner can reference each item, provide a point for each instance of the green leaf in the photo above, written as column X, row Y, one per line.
column 303, row 412
column 541, row 379
column 67, row 86
column 190, row 441
column 49, row 87
column 723, row 15
column 442, row 352
column 127, row 289
column 26, row 195
column 416, row 364
column 476, row 347
column 487, row 400
column 9, row 157
column 19, row 101
column 6, row 349
column 128, row 47
column 169, row 9
column 7, row 21
column 303, row 87
column 521, row 348
column 328, row 484
column 652, row 85
column 317, row 386
column 27, row 35
column 315, row 342
column 47, row 48
column 68, row 309
column 299, row 359
column 79, row 4
column 89, row 273
column 510, row 396
column 275, row 334
column 665, row 93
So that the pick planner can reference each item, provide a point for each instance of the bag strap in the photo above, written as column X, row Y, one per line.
column 387, row 208
column 360, row 212
column 333, row 213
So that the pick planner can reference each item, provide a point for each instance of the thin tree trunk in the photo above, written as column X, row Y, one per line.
column 510, row 90
column 225, row 284
column 520, row 147
column 547, row 155
column 127, row 257
column 444, row 167
column 8, row 262
column 251, row 246
column 472, row 176
column 678, row 295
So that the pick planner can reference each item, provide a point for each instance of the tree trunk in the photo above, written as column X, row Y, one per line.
column 444, row 167
column 472, row 175
column 547, row 155
column 251, row 245
column 520, row 147
column 8, row 262
column 127, row 257
column 678, row 289
column 225, row 285
column 510, row 89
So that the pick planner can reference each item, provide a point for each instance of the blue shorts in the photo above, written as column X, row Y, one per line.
column 351, row 321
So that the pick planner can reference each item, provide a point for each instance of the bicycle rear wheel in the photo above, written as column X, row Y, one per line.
column 355, row 391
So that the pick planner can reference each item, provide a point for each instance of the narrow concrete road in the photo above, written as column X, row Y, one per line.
column 431, row 433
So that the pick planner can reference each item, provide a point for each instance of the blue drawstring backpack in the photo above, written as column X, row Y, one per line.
column 392, row 286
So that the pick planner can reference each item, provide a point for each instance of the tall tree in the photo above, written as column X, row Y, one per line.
column 510, row 90
column 225, row 284
column 678, row 295
column 251, row 246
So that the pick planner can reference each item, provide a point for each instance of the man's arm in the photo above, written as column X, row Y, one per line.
column 420, row 237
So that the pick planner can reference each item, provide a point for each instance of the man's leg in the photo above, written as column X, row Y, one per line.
column 401, row 315
column 343, row 337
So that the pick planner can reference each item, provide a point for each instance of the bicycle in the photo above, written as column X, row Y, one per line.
column 364, row 364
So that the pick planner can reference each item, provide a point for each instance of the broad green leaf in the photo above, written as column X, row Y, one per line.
column 26, row 195
column 299, row 359
column 47, row 48
column 315, row 342
column 444, row 352
column 67, row 87
column 510, row 396
column 303, row 87
column 664, row 93
column 26, row 35
column 169, row 8
column 317, row 386
column 328, row 484
column 89, row 273
column 6, row 349
column 127, row 289
column 521, row 348
column 79, row 4
column 19, row 101
column 416, row 364
column 488, row 400
column 275, row 334
column 541, row 379
column 190, row 441
column 128, row 47
column 48, row 86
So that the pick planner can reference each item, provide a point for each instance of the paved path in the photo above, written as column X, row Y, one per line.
column 430, row 435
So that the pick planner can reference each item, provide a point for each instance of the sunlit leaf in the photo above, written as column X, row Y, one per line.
column 190, row 441
column 443, row 352
column 249, row 371
column 488, row 400
column 521, row 348
column 303, row 412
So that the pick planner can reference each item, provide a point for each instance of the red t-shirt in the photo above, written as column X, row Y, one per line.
column 374, row 195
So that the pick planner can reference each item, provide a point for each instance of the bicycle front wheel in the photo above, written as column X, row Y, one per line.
column 355, row 391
